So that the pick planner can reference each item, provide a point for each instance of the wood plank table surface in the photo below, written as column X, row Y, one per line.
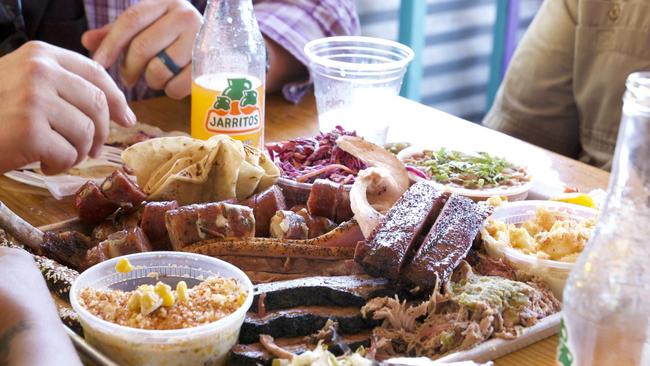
column 409, row 122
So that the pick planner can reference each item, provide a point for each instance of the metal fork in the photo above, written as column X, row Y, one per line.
column 109, row 155
column 112, row 153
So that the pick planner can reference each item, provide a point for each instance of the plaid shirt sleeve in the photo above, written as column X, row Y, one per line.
column 290, row 23
column 293, row 23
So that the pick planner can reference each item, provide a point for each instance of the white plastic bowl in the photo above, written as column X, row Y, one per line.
column 553, row 273
column 516, row 193
column 203, row 345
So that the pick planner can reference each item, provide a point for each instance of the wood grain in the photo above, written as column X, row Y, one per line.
column 286, row 120
column 541, row 353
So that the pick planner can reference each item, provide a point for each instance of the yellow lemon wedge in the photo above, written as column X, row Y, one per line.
column 582, row 199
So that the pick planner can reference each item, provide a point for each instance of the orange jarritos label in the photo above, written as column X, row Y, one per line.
column 228, row 104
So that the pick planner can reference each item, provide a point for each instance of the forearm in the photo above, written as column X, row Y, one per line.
column 536, row 101
column 283, row 67
column 287, row 26
column 30, row 330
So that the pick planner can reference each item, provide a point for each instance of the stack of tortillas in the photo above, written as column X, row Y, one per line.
column 193, row 171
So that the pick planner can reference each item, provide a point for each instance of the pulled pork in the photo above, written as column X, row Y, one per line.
column 471, row 309
column 327, row 334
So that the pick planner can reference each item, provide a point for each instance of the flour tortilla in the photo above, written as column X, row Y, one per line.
column 203, row 177
column 254, row 177
column 248, row 179
column 271, row 173
column 194, row 171
column 176, row 164
column 148, row 156
column 181, row 161
column 200, row 171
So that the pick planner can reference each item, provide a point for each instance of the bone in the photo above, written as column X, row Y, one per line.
column 20, row 229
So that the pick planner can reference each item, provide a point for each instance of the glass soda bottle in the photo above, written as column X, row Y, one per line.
column 228, row 73
column 606, row 311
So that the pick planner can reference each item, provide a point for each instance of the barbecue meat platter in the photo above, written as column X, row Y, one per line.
column 364, row 258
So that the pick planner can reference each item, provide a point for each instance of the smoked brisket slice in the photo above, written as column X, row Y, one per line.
column 255, row 354
column 302, row 321
column 391, row 244
column 319, row 290
column 447, row 243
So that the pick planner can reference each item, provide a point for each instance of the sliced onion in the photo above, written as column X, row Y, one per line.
column 416, row 171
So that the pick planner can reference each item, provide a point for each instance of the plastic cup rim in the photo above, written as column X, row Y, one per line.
column 386, row 66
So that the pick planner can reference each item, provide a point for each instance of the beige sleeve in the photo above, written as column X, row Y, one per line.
column 535, row 101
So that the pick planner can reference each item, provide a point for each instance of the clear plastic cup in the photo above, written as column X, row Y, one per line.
column 356, row 80
column 203, row 345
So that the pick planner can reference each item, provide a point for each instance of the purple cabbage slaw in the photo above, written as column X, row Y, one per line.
column 306, row 159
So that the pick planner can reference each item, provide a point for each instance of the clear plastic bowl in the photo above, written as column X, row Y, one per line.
column 553, row 273
column 516, row 193
column 203, row 345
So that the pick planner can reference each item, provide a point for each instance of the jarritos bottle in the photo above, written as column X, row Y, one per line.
column 228, row 74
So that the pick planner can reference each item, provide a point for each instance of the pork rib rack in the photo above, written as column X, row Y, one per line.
column 423, row 237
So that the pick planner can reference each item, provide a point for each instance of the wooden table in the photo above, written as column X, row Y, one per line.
column 410, row 122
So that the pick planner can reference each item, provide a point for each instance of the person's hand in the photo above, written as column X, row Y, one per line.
column 55, row 107
column 141, row 32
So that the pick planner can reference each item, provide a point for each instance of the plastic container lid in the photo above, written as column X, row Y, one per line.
column 554, row 273
column 515, row 193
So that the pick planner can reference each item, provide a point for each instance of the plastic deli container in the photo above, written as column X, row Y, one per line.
column 297, row 193
column 516, row 193
column 203, row 345
column 553, row 273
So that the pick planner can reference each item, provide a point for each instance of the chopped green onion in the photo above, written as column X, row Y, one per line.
column 480, row 170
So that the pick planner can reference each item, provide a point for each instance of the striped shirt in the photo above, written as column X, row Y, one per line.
column 290, row 23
